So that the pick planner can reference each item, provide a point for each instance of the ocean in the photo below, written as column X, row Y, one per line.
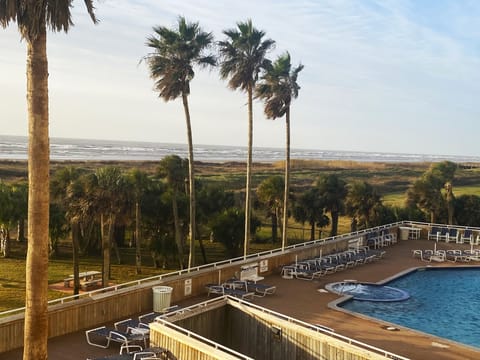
column 15, row 148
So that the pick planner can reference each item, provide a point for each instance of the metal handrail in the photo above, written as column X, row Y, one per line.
column 387, row 354
column 162, row 320
column 221, row 263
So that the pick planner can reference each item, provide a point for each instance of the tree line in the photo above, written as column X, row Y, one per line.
column 103, row 210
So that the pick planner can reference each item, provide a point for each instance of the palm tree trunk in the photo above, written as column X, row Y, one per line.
column 36, row 319
column 274, row 226
column 287, row 179
column 191, row 182
column 21, row 230
column 178, row 235
column 106, row 246
column 248, row 207
column 138, row 247
column 312, row 231
column 115, row 248
column 76, row 256
column 334, row 215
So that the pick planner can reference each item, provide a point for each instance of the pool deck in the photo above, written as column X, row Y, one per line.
column 301, row 300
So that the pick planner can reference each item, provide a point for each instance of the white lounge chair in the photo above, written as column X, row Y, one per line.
column 102, row 336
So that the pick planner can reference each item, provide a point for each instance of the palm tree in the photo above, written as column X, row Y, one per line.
column 361, row 203
column 110, row 194
column 139, row 181
column 173, row 169
column 426, row 192
column 243, row 58
column 277, row 88
column 270, row 193
column 32, row 18
column 309, row 207
column 175, row 53
column 333, row 191
column 6, row 210
column 68, row 192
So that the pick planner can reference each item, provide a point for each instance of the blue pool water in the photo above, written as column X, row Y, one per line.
column 443, row 302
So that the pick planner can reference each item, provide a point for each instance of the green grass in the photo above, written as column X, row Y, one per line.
column 394, row 199
column 466, row 190
column 398, row 198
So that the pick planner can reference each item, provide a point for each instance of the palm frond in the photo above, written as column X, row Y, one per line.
column 174, row 54
column 278, row 86
column 33, row 16
column 243, row 55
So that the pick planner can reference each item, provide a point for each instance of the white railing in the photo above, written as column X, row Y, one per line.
column 320, row 329
column 229, row 299
column 162, row 320
column 216, row 265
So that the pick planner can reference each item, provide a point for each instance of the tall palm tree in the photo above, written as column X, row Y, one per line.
column 270, row 193
column 172, row 168
column 278, row 88
column 110, row 190
column 243, row 57
column 309, row 207
column 175, row 53
column 426, row 192
column 67, row 191
column 333, row 191
column 361, row 202
column 32, row 18
column 139, row 181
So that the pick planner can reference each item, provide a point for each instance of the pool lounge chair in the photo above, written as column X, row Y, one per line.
column 125, row 325
column 102, row 336
column 143, row 320
column 308, row 270
column 259, row 289
column 466, row 237
column 138, row 353
column 433, row 233
column 456, row 255
column 302, row 270
column 226, row 289
column 452, row 235
column 442, row 235
column 424, row 255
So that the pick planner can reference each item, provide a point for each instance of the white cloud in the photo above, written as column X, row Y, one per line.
column 379, row 75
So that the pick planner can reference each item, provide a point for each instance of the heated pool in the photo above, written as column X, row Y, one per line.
column 368, row 291
column 443, row 301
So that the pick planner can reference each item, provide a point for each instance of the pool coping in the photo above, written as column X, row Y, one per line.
column 388, row 326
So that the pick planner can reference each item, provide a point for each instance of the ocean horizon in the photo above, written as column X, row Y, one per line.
column 63, row 149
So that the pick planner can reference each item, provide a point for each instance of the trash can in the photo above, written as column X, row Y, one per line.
column 404, row 233
column 161, row 297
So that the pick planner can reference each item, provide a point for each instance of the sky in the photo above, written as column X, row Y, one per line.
column 380, row 75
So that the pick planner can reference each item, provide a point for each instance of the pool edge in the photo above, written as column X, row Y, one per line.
column 382, row 323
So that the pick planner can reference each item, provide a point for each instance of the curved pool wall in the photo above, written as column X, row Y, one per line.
column 368, row 291
column 444, row 303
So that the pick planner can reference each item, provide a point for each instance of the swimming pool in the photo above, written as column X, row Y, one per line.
column 443, row 301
